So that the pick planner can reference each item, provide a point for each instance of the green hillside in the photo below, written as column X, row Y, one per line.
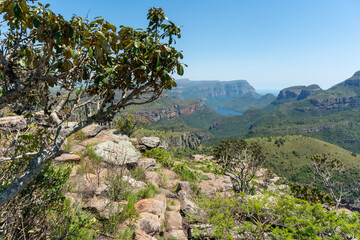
column 288, row 156
column 243, row 103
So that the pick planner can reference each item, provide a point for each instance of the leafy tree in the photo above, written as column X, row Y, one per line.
column 240, row 161
column 326, row 167
column 51, row 67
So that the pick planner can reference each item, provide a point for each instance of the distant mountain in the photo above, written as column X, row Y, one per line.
column 237, row 95
column 331, row 115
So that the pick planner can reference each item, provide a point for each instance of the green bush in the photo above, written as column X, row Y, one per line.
column 162, row 157
column 269, row 216
column 186, row 173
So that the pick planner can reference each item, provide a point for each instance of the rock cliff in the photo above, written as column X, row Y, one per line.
column 296, row 93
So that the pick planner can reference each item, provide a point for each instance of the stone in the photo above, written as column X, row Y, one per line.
column 96, row 204
column 135, row 185
column 148, row 164
column 188, row 207
column 150, row 142
column 105, row 135
column 168, row 193
column 156, row 206
column 92, row 130
column 154, row 178
column 141, row 235
column 173, row 204
column 168, row 174
column 85, row 184
column 149, row 223
column 215, row 184
column 77, row 148
column 118, row 153
column 174, row 220
column 67, row 157
column 176, row 234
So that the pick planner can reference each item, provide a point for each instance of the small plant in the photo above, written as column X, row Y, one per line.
column 149, row 192
column 138, row 174
column 186, row 173
column 162, row 157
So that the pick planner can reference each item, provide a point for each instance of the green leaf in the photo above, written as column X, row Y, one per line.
column 180, row 69
column 36, row 22
column 17, row 10
column 72, row 53
column 58, row 38
column 109, row 70
column 158, row 69
column 137, row 43
column 91, row 52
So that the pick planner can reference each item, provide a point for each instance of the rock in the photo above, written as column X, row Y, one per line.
column 135, row 185
column 183, row 185
column 92, row 130
column 168, row 174
column 176, row 234
column 173, row 204
column 150, row 142
column 149, row 224
column 77, row 148
column 172, row 184
column 174, row 220
column 118, row 153
column 148, row 163
column 188, row 207
column 207, row 230
column 106, row 135
column 85, row 184
column 96, row 204
column 141, row 235
column 154, row 178
column 67, row 157
column 156, row 206
column 167, row 193
column 215, row 184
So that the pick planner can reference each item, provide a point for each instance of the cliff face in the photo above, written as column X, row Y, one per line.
column 211, row 89
column 296, row 93
column 172, row 112
column 186, row 140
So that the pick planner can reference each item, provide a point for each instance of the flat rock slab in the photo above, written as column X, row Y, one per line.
column 92, row 130
column 118, row 153
column 67, row 157
column 150, row 142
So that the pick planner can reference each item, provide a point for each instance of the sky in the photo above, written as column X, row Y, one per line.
column 271, row 44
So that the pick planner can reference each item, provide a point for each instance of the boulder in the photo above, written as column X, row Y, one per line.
column 150, row 142
column 67, row 157
column 105, row 135
column 174, row 220
column 156, row 206
column 148, row 163
column 168, row 174
column 173, row 204
column 135, row 185
column 92, row 130
column 141, row 235
column 188, row 207
column 176, row 234
column 215, row 184
column 154, row 178
column 149, row 223
column 118, row 153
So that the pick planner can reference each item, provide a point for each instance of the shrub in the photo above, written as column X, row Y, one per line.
column 162, row 157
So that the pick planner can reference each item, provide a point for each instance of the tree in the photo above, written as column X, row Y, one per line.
column 51, row 67
column 326, row 167
column 240, row 161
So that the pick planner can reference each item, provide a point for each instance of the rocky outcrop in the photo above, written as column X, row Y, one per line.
column 211, row 89
column 172, row 112
column 186, row 140
column 296, row 93
column 118, row 153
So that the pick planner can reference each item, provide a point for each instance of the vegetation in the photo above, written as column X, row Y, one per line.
column 240, row 161
column 70, row 64
column 270, row 216
column 162, row 157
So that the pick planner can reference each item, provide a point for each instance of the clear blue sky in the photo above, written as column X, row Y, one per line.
column 271, row 43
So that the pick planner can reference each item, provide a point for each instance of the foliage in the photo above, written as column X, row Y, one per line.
column 310, row 194
column 240, row 161
column 128, row 122
column 41, row 208
column 271, row 216
column 186, row 173
column 326, row 167
column 162, row 157
column 51, row 68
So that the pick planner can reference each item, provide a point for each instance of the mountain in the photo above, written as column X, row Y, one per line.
column 237, row 95
column 331, row 115
column 243, row 103
column 167, row 108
